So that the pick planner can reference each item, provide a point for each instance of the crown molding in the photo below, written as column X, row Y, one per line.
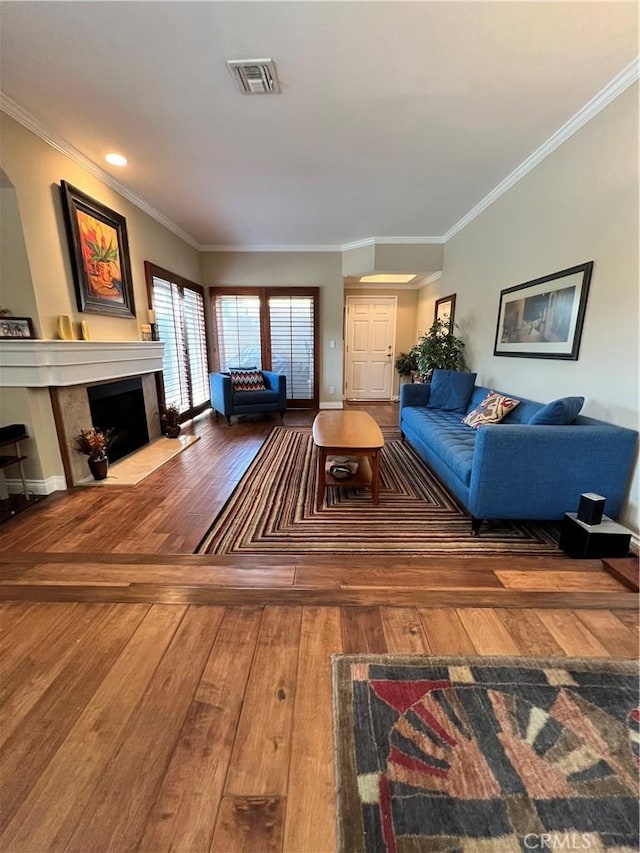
column 9, row 106
column 611, row 91
column 250, row 247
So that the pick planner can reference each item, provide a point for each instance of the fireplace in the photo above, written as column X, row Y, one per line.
column 119, row 406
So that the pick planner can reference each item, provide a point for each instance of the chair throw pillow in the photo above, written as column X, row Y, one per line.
column 451, row 390
column 559, row 412
column 491, row 410
column 247, row 380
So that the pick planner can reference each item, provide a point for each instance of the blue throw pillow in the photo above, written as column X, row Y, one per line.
column 559, row 412
column 451, row 390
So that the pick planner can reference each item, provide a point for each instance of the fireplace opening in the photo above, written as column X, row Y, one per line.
column 120, row 406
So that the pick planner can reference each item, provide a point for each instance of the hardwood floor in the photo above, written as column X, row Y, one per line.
column 155, row 700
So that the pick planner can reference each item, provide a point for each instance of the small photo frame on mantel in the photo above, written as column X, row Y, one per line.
column 445, row 309
column 16, row 327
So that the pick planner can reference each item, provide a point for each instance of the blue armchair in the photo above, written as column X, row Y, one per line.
column 227, row 402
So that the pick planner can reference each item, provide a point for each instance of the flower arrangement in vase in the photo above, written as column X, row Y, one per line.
column 94, row 444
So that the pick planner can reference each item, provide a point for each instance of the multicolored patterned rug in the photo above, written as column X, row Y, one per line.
column 485, row 755
column 272, row 510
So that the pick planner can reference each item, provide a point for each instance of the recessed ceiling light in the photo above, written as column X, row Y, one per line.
column 388, row 278
column 116, row 159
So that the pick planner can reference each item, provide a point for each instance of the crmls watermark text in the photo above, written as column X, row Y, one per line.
column 557, row 841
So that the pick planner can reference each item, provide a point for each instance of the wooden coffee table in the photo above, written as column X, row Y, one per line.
column 352, row 434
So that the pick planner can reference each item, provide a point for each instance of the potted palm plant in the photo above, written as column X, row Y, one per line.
column 94, row 443
column 439, row 348
column 406, row 364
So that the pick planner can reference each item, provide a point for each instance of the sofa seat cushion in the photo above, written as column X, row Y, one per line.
column 255, row 398
column 453, row 442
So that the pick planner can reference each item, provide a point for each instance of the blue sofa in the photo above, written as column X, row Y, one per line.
column 513, row 469
column 227, row 402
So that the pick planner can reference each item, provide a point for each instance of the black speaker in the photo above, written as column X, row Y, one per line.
column 591, row 508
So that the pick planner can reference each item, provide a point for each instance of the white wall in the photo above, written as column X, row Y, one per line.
column 579, row 204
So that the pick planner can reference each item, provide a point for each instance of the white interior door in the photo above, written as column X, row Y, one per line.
column 371, row 328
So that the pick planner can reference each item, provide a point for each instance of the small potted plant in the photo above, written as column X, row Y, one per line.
column 171, row 421
column 94, row 443
column 406, row 365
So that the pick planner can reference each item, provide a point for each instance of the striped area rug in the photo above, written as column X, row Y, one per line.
column 272, row 510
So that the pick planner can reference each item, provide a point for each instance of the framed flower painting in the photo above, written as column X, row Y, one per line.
column 99, row 255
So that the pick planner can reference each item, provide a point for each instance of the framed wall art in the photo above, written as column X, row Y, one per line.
column 445, row 309
column 543, row 318
column 16, row 327
column 99, row 255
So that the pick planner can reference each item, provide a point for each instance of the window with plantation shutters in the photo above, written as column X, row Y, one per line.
column 291, row 327
column 271, row 329
column 238, row 331
column 180, row 325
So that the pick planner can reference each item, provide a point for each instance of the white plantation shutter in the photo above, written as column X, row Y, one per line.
column 238, row 331
column 291, row 321
column 196, row 346
column 180, row 325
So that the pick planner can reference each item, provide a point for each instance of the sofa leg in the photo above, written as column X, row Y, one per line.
column 475, row 525
column 229, row 419
column 402, row 436
column 281, row 417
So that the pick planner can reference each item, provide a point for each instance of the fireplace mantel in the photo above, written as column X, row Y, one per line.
column 44, row 364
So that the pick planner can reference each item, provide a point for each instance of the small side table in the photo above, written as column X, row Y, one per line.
column 607, row 539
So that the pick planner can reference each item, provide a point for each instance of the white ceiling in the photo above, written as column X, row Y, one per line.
column 395, row 118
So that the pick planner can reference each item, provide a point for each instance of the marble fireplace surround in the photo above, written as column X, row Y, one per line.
column 67, row 368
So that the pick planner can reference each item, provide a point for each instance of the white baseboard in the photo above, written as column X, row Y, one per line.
column 37, row 487
column 337, row 405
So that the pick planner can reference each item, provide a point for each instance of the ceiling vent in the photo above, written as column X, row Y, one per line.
column 255, row 76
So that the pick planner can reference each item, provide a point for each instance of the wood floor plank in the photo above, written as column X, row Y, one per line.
column 28, row 751
column 548, row 581
column 445, row 632
column 631, row 618
column 71, row 776
column 249, row 825
column 614, row 635
column 30, row 632
column 403, row 631
column 116, row 816
column 184, row 814
column 260, row 759
column 529, row 633
column 572, row 634
column 487, row 632
column 310, row 805
column 24, row 683
column 362, row 631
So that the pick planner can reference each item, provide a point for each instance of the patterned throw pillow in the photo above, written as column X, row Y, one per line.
column 247, row 380
column 491, row 410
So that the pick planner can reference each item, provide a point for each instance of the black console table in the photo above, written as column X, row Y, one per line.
column 10, row 437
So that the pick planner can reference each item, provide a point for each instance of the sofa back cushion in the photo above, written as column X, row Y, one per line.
column 562, row 411
column 451, row 390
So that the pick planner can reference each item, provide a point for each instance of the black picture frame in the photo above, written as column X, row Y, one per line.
column 445, row 309
column 16, row 328
column 543, row 318
column 99, row 249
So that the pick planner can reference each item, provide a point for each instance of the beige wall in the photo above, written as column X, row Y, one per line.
column 407, row 301
column 579, row 204
column 291, row 269
column 36, row 269
column 35, row 169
